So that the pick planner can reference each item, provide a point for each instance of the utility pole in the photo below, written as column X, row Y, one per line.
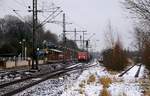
column 75, row 35
column 88, row 41
column 74, row 51
column 83, row 38
column 80, row 41
column 35, row 26
column 34, row 50
column 64, row 37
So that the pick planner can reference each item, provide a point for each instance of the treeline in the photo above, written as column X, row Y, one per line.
column 140, row 10
column 14, row 33
column 115, row 58
column 140, row 13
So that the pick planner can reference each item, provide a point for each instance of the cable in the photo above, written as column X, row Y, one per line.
column 49, row 16
column 73, row 23
column 49, row 20
column 22, row 19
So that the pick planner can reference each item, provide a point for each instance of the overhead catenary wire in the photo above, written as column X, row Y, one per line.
column 75, row 24
column 21, row 18
column 43, row 22
column 53, row 17
column 48, row 18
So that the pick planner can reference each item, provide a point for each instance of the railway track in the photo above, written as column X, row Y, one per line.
column 14, row 74
column 136, row 73
column 22, row 84
column 23, row 79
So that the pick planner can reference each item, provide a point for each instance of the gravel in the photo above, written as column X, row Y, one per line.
column 14, row 74
column 52, row 87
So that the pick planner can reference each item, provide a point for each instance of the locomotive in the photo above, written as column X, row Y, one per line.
column 55, row 54
column 83, row 56
column 59, row 56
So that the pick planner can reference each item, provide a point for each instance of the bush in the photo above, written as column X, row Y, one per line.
column 105, row 92
column 7, row 48
column 81, row 91
column 91, row 79
column 105, row 81
column 146, row 55
column 82, row 84
column 115, row 58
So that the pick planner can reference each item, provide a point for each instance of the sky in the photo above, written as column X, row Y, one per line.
column 90, row 15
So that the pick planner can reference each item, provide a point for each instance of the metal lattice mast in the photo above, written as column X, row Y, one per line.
column 34, row 58
column 64, row 37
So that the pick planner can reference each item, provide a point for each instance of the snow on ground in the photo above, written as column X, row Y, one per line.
column 90, row 90
column 130, row 75
column 142, row 71
column 120, row 89
column 120, row 86
column 76, row 84
column 51, row 87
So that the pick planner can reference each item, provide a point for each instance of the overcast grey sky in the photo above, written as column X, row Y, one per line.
column 91, row 15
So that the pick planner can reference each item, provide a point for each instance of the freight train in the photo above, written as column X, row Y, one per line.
column 53, row 53
column 56, row 55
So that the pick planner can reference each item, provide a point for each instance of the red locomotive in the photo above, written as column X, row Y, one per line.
column 56, row 55
column 83, row 56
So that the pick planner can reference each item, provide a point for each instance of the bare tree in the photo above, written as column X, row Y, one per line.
column 141, row 8
column 140, row 37
column 114, row 56
column 109, row 35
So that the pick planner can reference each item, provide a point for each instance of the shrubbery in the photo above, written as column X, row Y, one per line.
column 105, row 81
column 115, row 58
column 146, row 55
column 105, row 92
column 91, row 79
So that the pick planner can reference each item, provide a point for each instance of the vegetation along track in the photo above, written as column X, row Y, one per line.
column 137, row 72
column 23, row 84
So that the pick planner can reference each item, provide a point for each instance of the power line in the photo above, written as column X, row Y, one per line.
column 50, row 15
column 52, row 18
column 15, row 11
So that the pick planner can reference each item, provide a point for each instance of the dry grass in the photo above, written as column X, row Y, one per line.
column 105, row 81
column 147, row 94
column 82, row 85
column 91, row 79
column 81, row 91
column 105, row 92
column 124, row 94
